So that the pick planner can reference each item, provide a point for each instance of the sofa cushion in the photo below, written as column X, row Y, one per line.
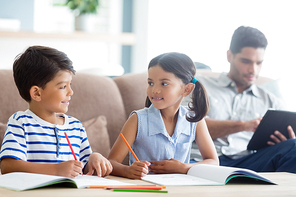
column 132, row 88
column 95, row 96
column 97, row 134
column 10, row 99
column 2, row 132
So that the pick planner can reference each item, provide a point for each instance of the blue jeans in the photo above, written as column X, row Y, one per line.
column 280, row 157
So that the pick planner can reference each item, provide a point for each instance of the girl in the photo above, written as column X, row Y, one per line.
column 161, row 134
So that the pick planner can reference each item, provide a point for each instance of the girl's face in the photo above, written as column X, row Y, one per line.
column 57, row 93
column 164, row 88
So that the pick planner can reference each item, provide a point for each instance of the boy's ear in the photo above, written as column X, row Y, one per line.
column 35, row 93
column 188, row 89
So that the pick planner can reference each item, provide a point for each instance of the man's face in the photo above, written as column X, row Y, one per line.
column 245, row 66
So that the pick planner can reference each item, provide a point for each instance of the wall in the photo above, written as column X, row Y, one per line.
column 95, row 56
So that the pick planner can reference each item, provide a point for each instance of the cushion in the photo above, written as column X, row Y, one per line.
column 2, row 132
column 97, row 134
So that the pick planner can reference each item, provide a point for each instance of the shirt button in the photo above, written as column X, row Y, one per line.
column 257, row 115
column 232, row 84
column 60, row 138
column 234, row 113
column 59, row 147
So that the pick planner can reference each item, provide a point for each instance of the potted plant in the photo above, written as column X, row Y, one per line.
column 84, row 11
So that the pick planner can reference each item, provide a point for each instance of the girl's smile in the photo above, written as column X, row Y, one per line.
column 164, row 88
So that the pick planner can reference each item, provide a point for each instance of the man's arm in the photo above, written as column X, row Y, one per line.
column 221, row 128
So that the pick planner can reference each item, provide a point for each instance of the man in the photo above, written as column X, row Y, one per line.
column 237, row 106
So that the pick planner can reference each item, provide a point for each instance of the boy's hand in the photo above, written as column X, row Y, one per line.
column 99, row 163
column 138, row 169
column 70, row 168
column 168, row 166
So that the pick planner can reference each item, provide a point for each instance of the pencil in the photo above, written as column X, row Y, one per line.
column 129, row 147
column 140, row 190
column 70, row 146
column 153, row 187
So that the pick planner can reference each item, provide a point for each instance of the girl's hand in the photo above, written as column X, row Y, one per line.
column 168, row 166
column 99, row 163
column 69, row 169
column 138, row 169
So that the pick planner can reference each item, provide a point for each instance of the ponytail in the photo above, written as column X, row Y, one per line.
column 183, row 67
column 199, row 104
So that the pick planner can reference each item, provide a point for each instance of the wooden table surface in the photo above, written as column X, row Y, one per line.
column 286, row 187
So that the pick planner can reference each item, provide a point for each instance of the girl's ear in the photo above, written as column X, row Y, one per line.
column 35, row 93
column 188, row 89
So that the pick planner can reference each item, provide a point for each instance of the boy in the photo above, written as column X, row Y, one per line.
column 35, row 139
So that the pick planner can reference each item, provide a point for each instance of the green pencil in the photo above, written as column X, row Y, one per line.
column 139, row 190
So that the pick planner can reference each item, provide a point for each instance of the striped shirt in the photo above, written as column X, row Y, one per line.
column 29, row 138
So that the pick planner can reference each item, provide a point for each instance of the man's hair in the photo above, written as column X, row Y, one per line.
column 247, row 37
column 37, row 66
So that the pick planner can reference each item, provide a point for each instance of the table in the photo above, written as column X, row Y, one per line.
column 286, row 187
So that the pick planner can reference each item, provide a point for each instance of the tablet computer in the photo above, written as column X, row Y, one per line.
column 271, row 121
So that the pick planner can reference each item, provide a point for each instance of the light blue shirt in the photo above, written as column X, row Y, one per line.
column 153, row 143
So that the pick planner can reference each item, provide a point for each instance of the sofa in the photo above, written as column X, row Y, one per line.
column 102, row 104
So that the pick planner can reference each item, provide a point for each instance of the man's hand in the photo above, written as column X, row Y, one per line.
column 251, row 125
column 278, row 137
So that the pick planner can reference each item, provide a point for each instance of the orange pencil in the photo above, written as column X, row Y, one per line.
column 129, row 147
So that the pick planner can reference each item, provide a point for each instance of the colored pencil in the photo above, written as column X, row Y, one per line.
column 70, row 146
column 153, row 187
column 129, row 147
column 139, row 190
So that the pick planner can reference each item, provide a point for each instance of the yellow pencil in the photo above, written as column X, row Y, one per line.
column 129, row 147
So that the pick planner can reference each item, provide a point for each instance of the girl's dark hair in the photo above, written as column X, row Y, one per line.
column 37, row 66
column 183, row 67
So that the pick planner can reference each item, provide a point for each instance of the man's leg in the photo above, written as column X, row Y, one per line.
column 280, row 157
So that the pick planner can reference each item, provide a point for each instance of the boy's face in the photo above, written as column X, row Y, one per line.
column 57, row 93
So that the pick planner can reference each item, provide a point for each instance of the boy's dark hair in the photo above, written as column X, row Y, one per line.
column 37, row 66
column 183, row 67
column 247, row 37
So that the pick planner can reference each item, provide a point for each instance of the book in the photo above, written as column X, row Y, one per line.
column 203, row 174
column 20, row 181
column 271, row 121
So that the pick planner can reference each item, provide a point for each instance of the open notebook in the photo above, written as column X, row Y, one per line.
column 24, row 181
column 202, row 174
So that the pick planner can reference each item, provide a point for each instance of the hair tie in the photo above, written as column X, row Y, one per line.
column 194, row 80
